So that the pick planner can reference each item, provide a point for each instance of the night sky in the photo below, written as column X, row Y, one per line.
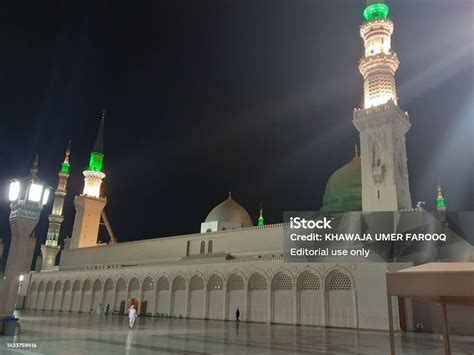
column 205, row 97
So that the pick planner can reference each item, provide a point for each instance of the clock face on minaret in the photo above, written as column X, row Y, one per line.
column 381, row 123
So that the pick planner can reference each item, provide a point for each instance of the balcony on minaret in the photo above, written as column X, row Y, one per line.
column 92, row 183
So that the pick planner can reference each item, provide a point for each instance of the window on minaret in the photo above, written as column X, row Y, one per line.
column 203, row 246
column 209, row 247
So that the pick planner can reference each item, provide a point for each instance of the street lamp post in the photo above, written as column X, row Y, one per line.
column 27, row 196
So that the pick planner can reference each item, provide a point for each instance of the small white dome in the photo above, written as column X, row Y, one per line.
column 230, row 211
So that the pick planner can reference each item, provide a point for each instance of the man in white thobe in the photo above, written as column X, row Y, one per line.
column 132, row 316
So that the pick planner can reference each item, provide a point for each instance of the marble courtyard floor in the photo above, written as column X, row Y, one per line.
column 72, row 333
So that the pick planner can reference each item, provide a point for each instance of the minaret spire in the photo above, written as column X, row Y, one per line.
column 50, row 249
column 261, row 220
column 93, row 175
column 90, row 204
column 34, row 166
column 441, row 204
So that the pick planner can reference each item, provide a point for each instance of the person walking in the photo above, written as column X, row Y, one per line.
column 132, row 316
column 99, row 310
column 237, row 315
column 107, row 308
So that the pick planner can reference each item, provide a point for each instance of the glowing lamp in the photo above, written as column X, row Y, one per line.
column 14, row 191
column 45, row 196
column 34, row 192
column 21, row 278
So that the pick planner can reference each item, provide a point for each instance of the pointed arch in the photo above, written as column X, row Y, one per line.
column 97, row 295
column 147, row 298
column 257, row 310
column 236, row 294
column 178, row 297
column 163, row 296
column 216, row 297
column 340, row 299
column 57, row 296
column 86, row 298
column 76, row 296
column 121, row 291
column 282, row 300
column 41, row 295
column 196, row 297
column 109, row 294
column 310, row 298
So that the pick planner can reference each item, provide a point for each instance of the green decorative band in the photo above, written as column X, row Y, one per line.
column 65, row 168
column 261, row 221
column 376, row 11
column 96, row 161
column 440, row 202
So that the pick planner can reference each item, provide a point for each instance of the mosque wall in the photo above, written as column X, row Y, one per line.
column 269, row 290
column 253, row 240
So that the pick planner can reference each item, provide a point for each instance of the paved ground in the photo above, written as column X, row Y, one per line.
column 72, row 333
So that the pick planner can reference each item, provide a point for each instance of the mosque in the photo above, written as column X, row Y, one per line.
column 233, row 263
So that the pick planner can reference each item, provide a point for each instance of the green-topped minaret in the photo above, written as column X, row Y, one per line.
column 441, row 205
column 261, row 220
column 97, row 156
column 381, row 123
column 50, row 249
column 90, row 204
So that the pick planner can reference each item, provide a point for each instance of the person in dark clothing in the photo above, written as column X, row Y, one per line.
column 107, row 309
column 237, row 315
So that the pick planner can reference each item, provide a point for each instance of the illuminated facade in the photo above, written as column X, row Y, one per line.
column 90, row 204
column 381, row 123
column 232, row 263
column 50, row 248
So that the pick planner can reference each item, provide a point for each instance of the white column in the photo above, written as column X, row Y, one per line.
column 270, row 304
column 171, row 303
column 226, row 296
column 206, row 304
column 295, row 306
column 246, row 311
column 186, row 305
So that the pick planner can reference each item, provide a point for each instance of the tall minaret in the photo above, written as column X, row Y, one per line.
column 90, row 204
column 50, row 249
column 441, row 205
column 261, row 220
column 382, row 125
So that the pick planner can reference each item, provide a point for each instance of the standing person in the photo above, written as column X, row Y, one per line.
column 237, row 315
column 99, row 310
column 107, row 309
column 132, row 315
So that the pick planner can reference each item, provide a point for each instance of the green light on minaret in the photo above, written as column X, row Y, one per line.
column 65, row 168
column 261, row 220
column 440, row 199
column 65, row 165
column 97, row 155
column 376, row 11
column 96, row 161
column 440, row 202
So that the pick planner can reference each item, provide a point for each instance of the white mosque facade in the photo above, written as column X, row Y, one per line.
column 232, row 264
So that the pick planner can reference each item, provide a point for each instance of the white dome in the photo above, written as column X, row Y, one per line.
column 230, row 211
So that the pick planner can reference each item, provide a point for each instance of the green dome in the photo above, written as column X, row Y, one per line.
column 344, row 189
